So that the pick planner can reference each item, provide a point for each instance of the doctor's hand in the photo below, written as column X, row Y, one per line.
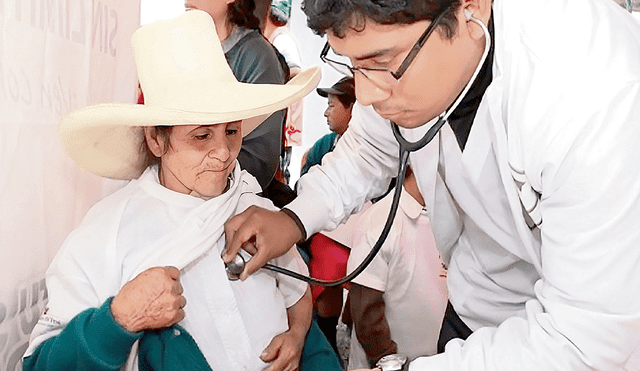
column 152, row 300
column 265, row 234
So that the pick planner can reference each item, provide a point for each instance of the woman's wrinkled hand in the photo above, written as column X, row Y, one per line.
column 152, row 300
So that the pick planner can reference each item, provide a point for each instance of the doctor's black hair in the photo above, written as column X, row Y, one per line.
column 337, row 16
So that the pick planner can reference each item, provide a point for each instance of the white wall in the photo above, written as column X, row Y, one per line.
column 153, row 10
column 315, row 124
column 55, row 56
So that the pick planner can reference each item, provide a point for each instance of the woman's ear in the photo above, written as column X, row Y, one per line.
column 155, row 144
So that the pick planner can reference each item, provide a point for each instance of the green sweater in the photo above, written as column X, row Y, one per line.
column 320, row 148
column 93, row 340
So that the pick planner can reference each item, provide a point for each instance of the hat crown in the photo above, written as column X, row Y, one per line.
column 176, row 58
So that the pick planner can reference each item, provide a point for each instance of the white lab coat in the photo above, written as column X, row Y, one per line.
column 558, row 132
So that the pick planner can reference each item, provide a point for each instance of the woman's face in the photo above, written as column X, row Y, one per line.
column 197, row 159
column 217, row 9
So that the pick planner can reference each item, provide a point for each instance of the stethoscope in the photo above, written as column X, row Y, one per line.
column 236, row 266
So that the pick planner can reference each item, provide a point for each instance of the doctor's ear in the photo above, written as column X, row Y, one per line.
column 475, row 11
column 467, row 14
column 478, row 9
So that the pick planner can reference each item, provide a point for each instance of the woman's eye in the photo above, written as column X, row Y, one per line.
column 201, row 136
column 232, row 131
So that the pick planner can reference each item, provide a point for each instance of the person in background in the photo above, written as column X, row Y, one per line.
column 341, row 97
column 328, row 251
column 397, row 303
column 276, row 30
column 253, row 60
column 140, row 284
column 531, row 181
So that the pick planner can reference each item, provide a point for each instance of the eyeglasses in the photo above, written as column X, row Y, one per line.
column 382, row 77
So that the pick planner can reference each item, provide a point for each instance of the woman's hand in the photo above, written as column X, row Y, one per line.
column 152, row 300
column 284, row 352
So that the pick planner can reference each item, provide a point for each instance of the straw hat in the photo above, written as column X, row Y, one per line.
column 186, row 80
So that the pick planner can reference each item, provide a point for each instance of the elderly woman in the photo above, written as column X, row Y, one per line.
column 140, row 283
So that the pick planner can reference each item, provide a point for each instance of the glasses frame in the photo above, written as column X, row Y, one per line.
column 397, row 75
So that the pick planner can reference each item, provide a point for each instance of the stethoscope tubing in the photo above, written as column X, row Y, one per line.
column 405, row 148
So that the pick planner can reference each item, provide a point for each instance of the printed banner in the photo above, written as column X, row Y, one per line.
column 55, row 56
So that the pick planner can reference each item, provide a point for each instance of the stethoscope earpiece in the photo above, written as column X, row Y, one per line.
column 467, row 14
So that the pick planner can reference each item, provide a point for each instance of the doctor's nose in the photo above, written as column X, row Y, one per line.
column 367, row 92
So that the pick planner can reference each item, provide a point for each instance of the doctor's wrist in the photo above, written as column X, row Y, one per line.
column 298, row 222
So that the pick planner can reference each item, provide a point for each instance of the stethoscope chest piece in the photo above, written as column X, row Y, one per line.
column 235, row 268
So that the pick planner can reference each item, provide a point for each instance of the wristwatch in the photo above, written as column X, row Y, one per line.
column 392, row 362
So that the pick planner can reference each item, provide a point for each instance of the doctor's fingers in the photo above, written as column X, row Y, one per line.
column 245, row 229
column 272, row 233
column 235, row 230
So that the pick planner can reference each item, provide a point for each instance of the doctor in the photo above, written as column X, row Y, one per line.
column 533, row 185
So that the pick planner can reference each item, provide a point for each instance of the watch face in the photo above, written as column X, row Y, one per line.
column 392, row 362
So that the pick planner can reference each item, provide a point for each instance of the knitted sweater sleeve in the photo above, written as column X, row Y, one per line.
column 92, row 340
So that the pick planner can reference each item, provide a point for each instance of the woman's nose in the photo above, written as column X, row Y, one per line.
column 368, row 92
column 220, row 151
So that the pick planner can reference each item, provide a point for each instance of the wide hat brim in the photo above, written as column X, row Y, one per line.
column 108, row 140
